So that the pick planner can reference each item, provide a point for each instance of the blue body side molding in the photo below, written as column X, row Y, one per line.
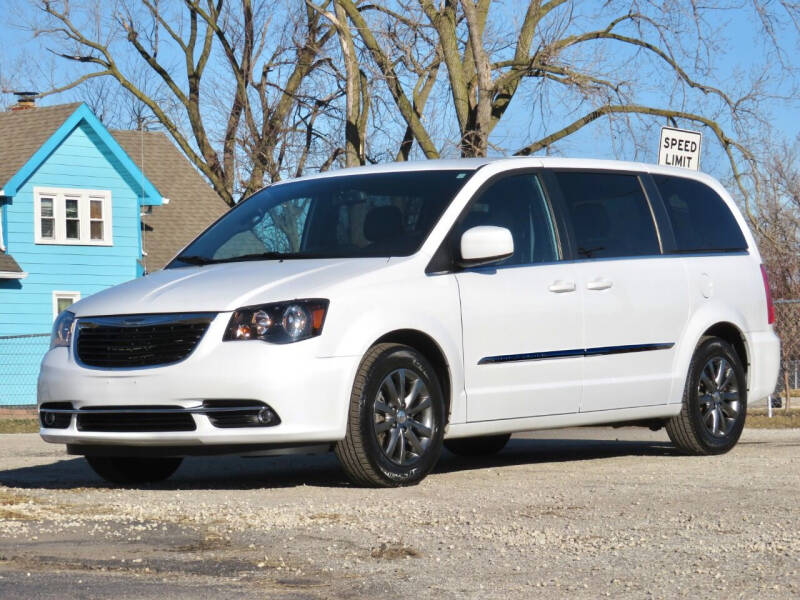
column 601, row 351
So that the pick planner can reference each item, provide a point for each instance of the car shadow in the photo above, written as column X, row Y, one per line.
column 323, row 470
column 554, row 450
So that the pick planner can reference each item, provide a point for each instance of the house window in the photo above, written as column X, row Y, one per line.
column 63, row 300
column 73, row 219
column 47, row 220
column 96, row 218
column 68, row 216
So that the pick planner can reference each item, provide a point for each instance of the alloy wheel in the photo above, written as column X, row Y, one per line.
column 403, row 417
column 718, row 397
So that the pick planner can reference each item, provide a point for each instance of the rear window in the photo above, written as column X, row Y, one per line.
column 610, row 214
column 701, row 220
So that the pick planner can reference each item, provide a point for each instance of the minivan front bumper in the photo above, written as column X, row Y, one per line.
column 309, row 394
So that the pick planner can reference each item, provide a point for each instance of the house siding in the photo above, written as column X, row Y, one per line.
column 81, row 161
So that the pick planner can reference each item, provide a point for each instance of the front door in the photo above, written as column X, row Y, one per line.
column 522, row 325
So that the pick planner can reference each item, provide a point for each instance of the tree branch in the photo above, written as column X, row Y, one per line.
column 392, row 81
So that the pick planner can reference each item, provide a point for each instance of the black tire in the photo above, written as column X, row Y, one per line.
column 362, row 452
column 133, row 470
column 691, row 430
column 484, row 445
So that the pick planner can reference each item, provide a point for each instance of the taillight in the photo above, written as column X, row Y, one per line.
column 770, row 305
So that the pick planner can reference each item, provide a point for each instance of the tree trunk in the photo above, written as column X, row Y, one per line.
column 356, row 98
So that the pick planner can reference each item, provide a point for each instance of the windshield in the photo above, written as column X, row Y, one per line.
column 381, row 214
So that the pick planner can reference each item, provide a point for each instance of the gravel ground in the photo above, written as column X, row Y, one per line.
column 581, row 513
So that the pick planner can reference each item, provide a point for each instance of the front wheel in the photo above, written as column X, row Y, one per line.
column 395, row 420
column 132, row 469
column 714, row 401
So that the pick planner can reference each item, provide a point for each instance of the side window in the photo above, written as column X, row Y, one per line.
column 700, row 219
column 518, row 204
column 610, row 214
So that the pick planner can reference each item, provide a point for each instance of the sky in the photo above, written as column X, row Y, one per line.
column 738, row 53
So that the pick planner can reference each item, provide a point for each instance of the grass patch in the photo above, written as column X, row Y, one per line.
column 757, row 419
column 9, row 506
column 394, row 551
column 19, row 426
column 12, row 515
column 10, row 498
column 326, row 516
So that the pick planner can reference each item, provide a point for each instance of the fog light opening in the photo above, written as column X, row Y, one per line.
column 265, row 416
column 226, row 413
column 50, row 419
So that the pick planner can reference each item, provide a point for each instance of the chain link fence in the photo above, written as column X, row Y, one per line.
column 20, row 356
column 787, row 324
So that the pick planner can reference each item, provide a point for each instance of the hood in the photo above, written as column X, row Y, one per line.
column 225, row 286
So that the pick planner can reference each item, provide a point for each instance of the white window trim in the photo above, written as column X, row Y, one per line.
column 58, row 294
column 59, row 196
column 2, row 241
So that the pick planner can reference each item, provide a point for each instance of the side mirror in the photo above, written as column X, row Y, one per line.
column 484, row 245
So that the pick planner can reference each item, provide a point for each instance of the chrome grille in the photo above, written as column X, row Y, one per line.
column 132, row 341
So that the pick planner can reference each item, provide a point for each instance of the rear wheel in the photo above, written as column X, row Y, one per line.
column 484, row 445
column 714, row 401
column 131, row 469
column 395, row 421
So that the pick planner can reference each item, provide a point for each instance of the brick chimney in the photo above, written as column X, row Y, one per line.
column 25, row 101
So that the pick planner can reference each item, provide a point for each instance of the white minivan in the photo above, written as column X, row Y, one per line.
column 384, row 312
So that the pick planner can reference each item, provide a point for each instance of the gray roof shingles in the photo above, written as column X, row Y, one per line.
column 24, row 131
column 8, row 264
column 193, row 204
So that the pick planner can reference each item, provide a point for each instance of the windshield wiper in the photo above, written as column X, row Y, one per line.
column 202, row 260
column 194, row 260
column 255, row 256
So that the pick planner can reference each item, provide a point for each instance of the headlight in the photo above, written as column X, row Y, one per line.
column 62, row 330
column 279, row 322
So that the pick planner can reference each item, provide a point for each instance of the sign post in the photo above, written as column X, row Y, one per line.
column 680, row 148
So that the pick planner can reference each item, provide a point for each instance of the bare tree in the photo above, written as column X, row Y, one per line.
column 254, row 92
column 598, row 61
column 357, row 93
column 232, row 87
column 779, row 214
column 779, row 240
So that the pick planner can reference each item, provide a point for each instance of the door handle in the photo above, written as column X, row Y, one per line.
column 559, row 287
column 599, row 284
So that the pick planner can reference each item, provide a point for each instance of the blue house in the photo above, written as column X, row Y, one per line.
column 71, row 201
